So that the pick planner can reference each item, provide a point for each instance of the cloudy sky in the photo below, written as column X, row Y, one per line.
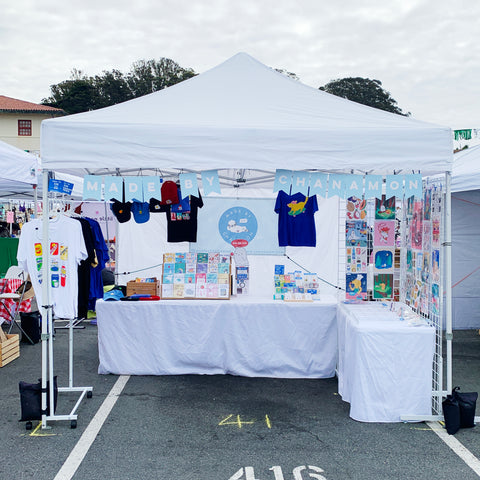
column 426, row 53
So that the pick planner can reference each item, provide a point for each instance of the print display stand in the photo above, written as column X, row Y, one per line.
column 47, row 338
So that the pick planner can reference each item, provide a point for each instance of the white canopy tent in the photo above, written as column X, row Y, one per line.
column 243, row 114
column 245, row 120
column 17, row 171
column 465, row 234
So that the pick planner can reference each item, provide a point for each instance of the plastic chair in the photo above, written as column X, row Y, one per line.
column 14, row 272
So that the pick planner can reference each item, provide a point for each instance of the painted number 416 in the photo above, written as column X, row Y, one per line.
column 247, row 473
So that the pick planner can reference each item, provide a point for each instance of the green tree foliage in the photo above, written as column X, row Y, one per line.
column 82, row 93
column 364, row 91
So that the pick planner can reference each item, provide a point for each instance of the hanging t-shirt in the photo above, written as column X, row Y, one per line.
column 182, row 225
column 296, row 222
column 67, row 250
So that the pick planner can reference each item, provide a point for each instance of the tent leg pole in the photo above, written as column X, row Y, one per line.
column 45, row 309
column 448, row 278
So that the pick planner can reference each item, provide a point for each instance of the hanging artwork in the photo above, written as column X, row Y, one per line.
column 356, row 260
column 384, row 233
column 356, row 233
column 427, row 204
column 427, row 235
column 436, row 232
column 436, row 265
column 383, row 286
column 356, row 209
column 385, row 208
column 435, row 299
column 416, row 226
column 356, row 286
column 383, row 260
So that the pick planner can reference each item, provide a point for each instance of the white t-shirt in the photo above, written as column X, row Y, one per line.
column 67, row 249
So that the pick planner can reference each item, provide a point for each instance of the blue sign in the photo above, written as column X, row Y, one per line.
column 238, row 225
column 60, row 186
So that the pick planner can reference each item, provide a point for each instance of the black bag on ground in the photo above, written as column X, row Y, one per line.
column 31, row 399
column 30, row 323
column 451, row 414
column 467, row 402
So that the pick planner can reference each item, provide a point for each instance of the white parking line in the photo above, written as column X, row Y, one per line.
column 471, row 460
column 84, row 443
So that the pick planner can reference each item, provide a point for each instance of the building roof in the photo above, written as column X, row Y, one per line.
column 13, row 105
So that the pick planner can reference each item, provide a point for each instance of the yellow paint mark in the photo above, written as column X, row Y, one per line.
column 238, row 422
column 35, row 434
column 269, row 424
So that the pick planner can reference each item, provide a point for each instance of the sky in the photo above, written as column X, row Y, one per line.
column 426, row 53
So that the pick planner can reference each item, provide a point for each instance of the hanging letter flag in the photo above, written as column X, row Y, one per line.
column 188, row 184
column 92, row 187
column 300, row 182
column 373, row 186
column 210, row 181
column 354, row 186
column 337, row 184
column 394, row 186
column 133, row 189
column 413, row 185
column 283, row 180
column 151, row 187
column 114, row 188
column 318, row 184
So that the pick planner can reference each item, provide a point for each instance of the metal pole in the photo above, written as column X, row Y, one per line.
column 46, row 311
column 448, row 278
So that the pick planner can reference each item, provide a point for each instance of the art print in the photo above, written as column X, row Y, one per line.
column 356, row 260
column 436, row 265
column 385, row 208
column 435, row 299
column 383, row 286
column 384, row 233
column 427, row 204
column 383, row 260
column 410, row 203
column 436, row 203
column 436, row 232
column 356, row 233
column 356, row 208
column 427, row 235
column 416, row 226
column 356, row 286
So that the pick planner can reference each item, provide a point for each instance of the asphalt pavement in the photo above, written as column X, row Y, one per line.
column 218, row 427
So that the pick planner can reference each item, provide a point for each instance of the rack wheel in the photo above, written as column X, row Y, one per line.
column 28, row 426
column 89, row 394
column 73, row 424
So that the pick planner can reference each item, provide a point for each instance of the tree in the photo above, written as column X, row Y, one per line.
column 81, row 93
column 364, row 91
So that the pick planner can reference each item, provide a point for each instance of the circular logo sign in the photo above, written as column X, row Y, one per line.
column 238, row 226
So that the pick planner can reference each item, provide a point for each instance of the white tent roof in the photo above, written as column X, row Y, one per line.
column 466, row 170
column 243, row 114
column 17, row 170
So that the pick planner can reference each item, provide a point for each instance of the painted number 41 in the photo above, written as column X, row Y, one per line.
column 247, row 473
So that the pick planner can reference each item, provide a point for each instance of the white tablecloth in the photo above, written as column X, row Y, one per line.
column 384, row 365
column 242, row 336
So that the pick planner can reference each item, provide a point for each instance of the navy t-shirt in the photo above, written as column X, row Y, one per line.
column 296, row 222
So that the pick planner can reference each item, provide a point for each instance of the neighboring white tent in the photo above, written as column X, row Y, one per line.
column 465, row 238
column 17, row 171
column 243, row 114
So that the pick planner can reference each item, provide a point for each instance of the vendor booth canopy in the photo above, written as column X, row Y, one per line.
column 17, row 171
column 243, row 114
column 465, row 234
column 21, row 172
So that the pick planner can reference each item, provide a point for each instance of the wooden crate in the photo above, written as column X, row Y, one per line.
column 144, row 288
column 9, row 349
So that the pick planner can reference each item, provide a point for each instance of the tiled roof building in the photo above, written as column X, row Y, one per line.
column 20, row 122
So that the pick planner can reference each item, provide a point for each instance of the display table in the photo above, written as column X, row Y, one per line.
column 384, row 364
column 244, row 336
